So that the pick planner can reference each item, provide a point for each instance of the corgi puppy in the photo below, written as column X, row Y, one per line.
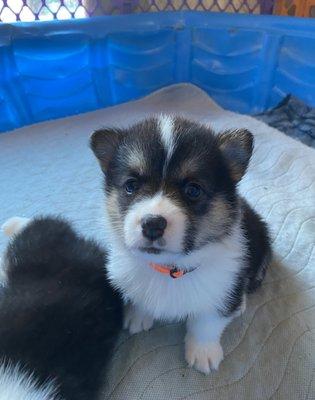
column 184, row 245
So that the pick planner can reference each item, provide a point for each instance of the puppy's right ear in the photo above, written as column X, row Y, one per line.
column 104, row 142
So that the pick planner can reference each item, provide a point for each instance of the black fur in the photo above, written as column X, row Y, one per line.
column 259, row 249
column 59, row 317
column 256, row 260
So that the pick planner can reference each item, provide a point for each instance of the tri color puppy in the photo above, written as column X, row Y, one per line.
column 184, row 244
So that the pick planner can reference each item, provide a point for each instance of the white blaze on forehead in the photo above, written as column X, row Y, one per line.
column 166, row 125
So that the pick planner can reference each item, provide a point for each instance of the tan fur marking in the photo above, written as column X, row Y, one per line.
column 135, row 160
column 214, row 224
column 189, row 167
column 111, row 204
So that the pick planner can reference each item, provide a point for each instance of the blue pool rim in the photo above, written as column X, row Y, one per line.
column 55, row 69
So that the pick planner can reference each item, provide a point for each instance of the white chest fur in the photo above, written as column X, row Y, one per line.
column 163, row 297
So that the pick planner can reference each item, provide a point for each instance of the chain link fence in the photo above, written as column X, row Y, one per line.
column 31, row 10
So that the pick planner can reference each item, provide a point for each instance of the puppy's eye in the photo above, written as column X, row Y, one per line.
column 131, row 186
column 192, row 191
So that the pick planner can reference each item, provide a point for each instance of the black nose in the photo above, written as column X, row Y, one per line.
column 153, row 226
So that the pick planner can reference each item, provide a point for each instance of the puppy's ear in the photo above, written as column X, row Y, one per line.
column 236, row 147
column 104, row 142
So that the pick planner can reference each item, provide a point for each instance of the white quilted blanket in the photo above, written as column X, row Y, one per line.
column 270, row 351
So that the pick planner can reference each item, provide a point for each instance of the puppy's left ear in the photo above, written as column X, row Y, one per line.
column 236, row 147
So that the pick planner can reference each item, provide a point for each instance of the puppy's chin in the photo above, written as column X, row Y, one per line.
column 160, row 256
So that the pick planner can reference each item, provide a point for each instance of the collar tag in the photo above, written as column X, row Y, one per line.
column 176, row 273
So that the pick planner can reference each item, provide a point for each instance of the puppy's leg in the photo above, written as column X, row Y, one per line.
column 202, row 342
column 136, row 320
column 14, row 225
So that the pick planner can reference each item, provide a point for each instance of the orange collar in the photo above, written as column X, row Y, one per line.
column 173, row 272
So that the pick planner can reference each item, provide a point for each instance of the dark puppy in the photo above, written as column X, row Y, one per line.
column 174, row 212
column 59, row 317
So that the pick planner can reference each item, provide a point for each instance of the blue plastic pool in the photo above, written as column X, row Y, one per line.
column 247, row 63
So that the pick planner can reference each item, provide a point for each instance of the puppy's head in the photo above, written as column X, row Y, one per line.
column 171, row 183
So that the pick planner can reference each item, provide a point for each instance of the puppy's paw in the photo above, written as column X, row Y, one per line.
column 135, row 320
column 14, row 225
column 242, row 307
column 203, row 356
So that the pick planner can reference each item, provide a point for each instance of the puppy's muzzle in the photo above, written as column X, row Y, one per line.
column 153, row 226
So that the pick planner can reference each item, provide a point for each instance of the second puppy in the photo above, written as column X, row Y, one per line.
column 59, row 317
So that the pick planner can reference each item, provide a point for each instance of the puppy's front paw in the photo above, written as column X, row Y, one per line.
column 136, row 320
column 203, row 356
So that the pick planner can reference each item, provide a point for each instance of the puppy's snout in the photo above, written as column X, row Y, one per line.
column 153, row 226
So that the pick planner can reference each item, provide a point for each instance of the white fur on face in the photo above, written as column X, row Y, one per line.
column 161, row 205
column 15, row 384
